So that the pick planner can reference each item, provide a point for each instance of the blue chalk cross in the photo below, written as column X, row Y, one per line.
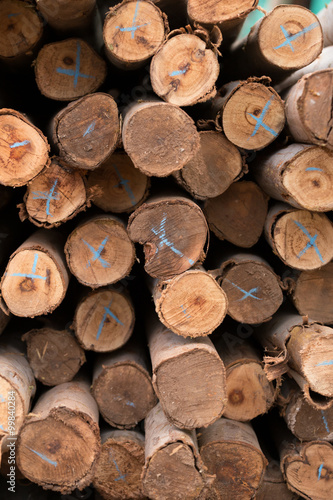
column 107, row 313
column 33, row 274
column 160, row 232
column 121, row 476
column 76, row 73
column 260, row 120
column 290, row 38
column 48, row 196
column 134, row 27
column 246, row 294
column 312, row 242
column 97, row 253
column 125, row 183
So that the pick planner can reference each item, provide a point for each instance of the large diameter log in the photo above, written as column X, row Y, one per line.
column 59, row 442
column 159, row 138
column 23, row 149
column 99, row 251
column 119, row 466
column 36, row 277
column 325, row 17
column 188, row 378
column 87, row 131
column 238, row 215
column 69, row 69
column 65, row 16
column 274, row 486
column 231, row 451
column 173, row 231
column 104, row 320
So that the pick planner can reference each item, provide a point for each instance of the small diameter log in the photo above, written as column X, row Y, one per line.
column 133, row 32
column 217, row 164
column 253, row 289
column 66, row 16
column 24, row 151
column 54, row 356
column 117, row 185
column 99, row 251
column 173, row 467
column 87, row 131
column 104, row 320
column 69, row 69
column 119, row 466
column 301, row 239
column 188, row 378
column 300, row 175
column 36, row 278
column 173, row 231
column 59, row 443
column 238, row 215
column 159, row 138
column 325, row 17
column 191, row 304
column 231, row 451
column 274, row 486
column 122, row 387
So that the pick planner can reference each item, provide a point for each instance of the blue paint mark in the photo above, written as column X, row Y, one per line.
column 179, row 72
column 133, row 28
column 33, row 271
column 13, row 15
column 2, row 399
column 91, row 128
column 18, row 144
column 160, row 232
column 107, row 313
column 130, row 404
column 2, row 428
column 185, row 312
column 311, row 169
column 121, row 477
column 325, row 363
column 260, row 120
column 97, row 253
column 312, row 242
column 325, row 422
column 76, row 73
column 291, row 38
column 125, row 183
column 320, row 470
column 44, row 457
column 48, row 196
column 246, row 294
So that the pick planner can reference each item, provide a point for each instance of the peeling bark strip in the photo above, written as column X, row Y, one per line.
column 217, row 164
column 173, row 231
column 69, row 69
column 301, row 239
column 122, row 386
column 24, row 151
column 63, row 16
column 238, row 215
column 299, row 174
column 159, row 138
column 59, row 443
column 99, row 251
column 231, row 450
column 173, row 468
column 253, row 289
column 104, row 320
column 54, row 356
column 36, row 277
column 188, row 378
column 191, row 304
column 274, row 486
column 87, row 131
column 119, row 466
column 133, row 32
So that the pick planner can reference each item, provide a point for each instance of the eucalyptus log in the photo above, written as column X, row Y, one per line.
column 62, row 15
column 274, row 486
column 325, row 17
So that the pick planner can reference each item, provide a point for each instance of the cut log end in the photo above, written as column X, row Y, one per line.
column 213, row 12
column 63, row 16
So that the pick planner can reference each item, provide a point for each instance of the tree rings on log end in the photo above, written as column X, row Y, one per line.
column 212, row 12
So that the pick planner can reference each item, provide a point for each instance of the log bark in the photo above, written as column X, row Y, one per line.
column 238, row 215
column 87, row 131
column 159, row 138
column 59, row 443
column 36, row 277
column 188, row 378
column 24, row 151
column 173, row 231
column 325, row 17
column 69, row 69
column 274, row 486
column 301, row 239
column 99, row 251
column 66, row 16
column 231, row 451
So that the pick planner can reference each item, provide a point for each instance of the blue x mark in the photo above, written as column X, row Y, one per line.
column 246, row 294
column 97, row 253
column 260, row 120
column 164, row 240
column 121, row 477
column 133, row 28
column 33, row 274
column 48, row 196
column 290, row 38
column 107, row 313
column 125, row 183
column 76, row 73
column 311, row 243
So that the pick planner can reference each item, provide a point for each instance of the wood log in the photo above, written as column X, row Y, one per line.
column 231, row 451
column 54, row 355
column 188, row 378
column 68, row 69
column 87, row 131
column 119, row 466
column 117, row 185
column 133, row 32
column 274, row 486
column 253, row 289
column 301, row 239
column 191, row 304
column 159, row 138
column 104, row 320
column 99, row 251
column 171, row 455
column 66, row 16
column 238, row 215
column 292, row 175
column 122, row 386
column 36, row 277
column 23, row 149
column 173, row 231
column 318, row 401
column 325, row 17
column 217, row 164
column 59, row 443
